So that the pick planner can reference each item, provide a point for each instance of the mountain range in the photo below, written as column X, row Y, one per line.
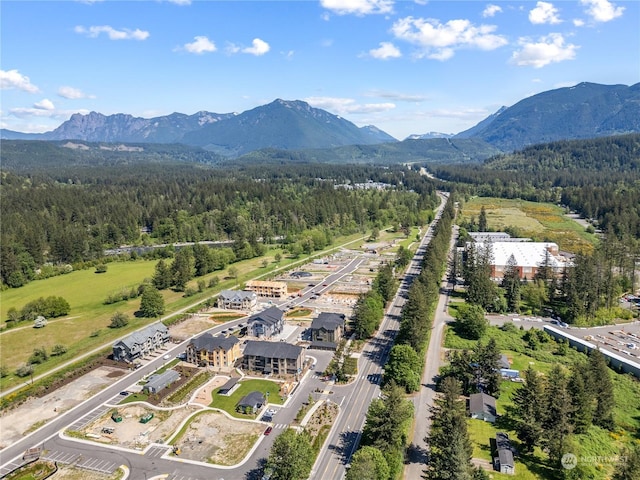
column 586, row 110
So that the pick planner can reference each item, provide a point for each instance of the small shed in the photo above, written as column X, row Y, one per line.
column 503, row 362
column 229, row 386
column 503, row 460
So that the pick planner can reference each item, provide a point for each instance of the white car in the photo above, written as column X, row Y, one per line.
column 167, row 356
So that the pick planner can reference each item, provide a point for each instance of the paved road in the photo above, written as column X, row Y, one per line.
column 141, row 465
column 424, row 399
column 344, row 438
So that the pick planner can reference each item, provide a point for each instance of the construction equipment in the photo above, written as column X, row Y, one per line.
column 116, row 417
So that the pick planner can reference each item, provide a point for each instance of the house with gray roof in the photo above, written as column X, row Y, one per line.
column 159, row 381
column 237, row 300
column 503, row 457
column 215, row 351
column 277, row 358
column 327, row 330
column 266, row 324
column 482, row 407
column 141, row 343
column 251, row 403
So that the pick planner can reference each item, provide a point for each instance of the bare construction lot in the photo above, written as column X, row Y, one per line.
column 213, row 437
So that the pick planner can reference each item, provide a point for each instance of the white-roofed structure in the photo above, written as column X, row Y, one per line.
column 528, row 257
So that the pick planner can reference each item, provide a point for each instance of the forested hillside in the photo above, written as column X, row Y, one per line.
column 75, row 212
column 599, row 178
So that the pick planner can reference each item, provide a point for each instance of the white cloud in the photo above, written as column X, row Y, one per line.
column 14, row 79
column 44, row 104
column 358, row 7
column 440, row 40
column 577, row 22
column 200, row 45
column 288, row 55
column 602, row 10
column 112, row 33
column 180, row 2
column 44, row 108
column 72, row 93
column 259, row 47
column 399, row 97
column 491, row 10
column 385, row 51
column 544, row 12
column 346, row 106
column 549, row 49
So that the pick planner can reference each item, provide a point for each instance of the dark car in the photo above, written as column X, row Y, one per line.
column 268, row 430
column 124, row 394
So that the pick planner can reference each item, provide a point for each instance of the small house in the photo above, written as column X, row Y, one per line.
column 482, row 407
column 251, row 403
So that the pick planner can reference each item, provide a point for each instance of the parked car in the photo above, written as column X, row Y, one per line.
column 268, row 430
column 124, row 394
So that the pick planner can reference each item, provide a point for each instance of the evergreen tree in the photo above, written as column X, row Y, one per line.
column 181, row 269
column 482, row 220
column 487, row 359
column 511, row 285
column 151, row 302
column 528, row 410
column 450, row 449
column 556, row 420
column 601, row 387
column 162, row 276
column 582, row 401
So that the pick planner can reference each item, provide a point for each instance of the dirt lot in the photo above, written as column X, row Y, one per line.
column 203, row 397
column 212, row 436
column 130, row 433
column 37, row 411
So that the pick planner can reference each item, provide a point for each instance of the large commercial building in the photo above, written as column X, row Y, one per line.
column 527, row 257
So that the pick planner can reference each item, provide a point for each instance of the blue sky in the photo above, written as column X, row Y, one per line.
column 407, row 67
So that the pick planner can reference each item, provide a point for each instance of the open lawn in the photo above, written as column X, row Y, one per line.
column 228, row 403
column 538, row 221
column 86, row 327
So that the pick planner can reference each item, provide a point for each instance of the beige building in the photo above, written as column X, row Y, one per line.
column 267, row 289
column 218, row 351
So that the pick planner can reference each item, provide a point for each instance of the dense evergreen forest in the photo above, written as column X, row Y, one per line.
column 598, row 178
column 65, row 213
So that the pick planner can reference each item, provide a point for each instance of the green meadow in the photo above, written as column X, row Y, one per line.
column 87, row 326
column 538, row 221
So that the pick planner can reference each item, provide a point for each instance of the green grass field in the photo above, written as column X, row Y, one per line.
column 86, row 326
column 228, row 403
column 539, row 221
